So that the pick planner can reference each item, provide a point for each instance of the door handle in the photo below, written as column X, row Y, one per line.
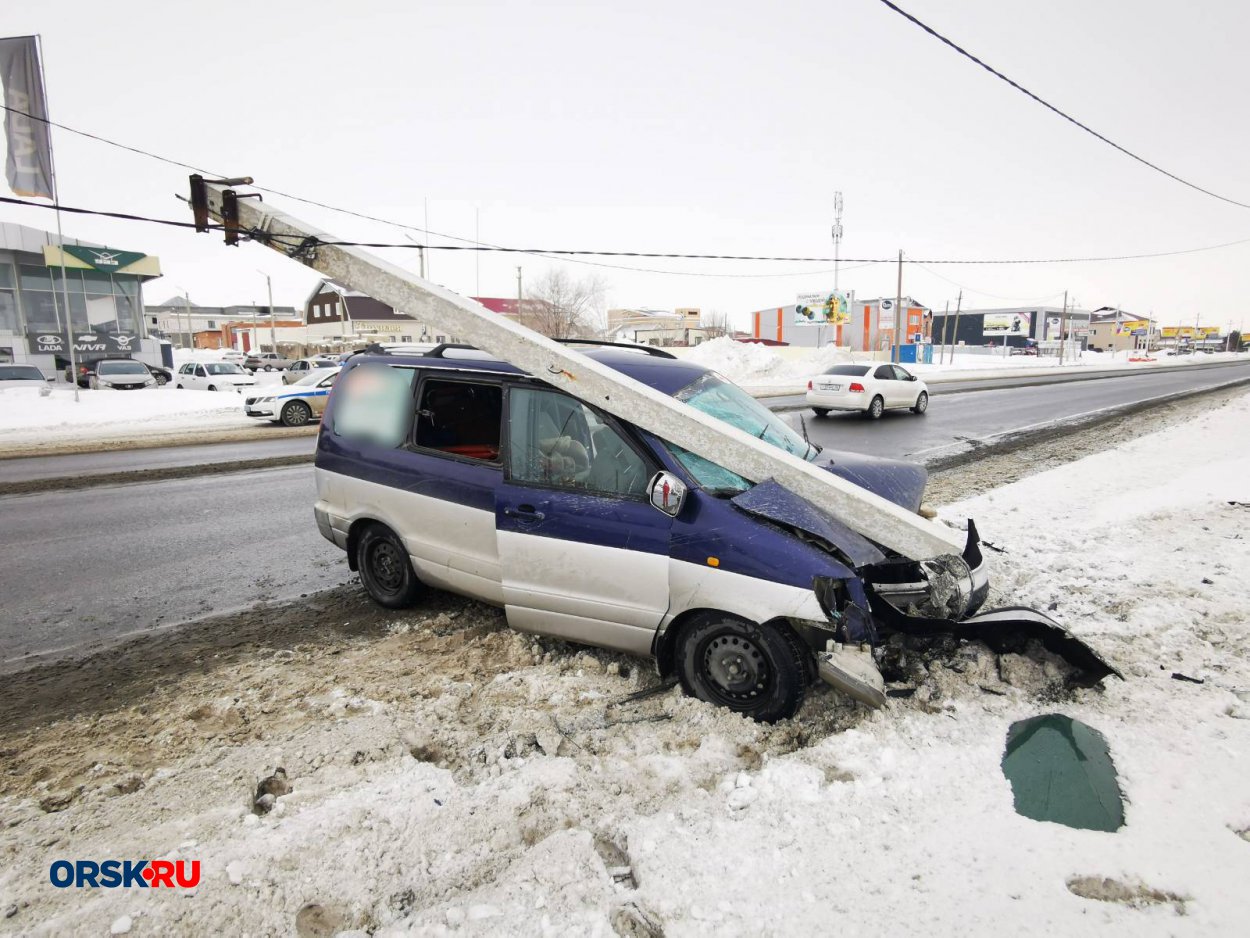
column 524, row 513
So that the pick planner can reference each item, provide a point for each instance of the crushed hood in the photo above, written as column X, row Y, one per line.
column 776, row 503
column 895, row 480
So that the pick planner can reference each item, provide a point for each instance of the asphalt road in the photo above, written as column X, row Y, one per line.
column 91, row 565
column 958, row 422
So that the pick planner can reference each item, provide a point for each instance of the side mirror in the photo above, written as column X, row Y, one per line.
column 667, row 493
column 911, row 377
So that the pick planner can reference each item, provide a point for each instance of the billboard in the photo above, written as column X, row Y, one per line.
column 1131, row 327
column 826, row 308
column 997, row 324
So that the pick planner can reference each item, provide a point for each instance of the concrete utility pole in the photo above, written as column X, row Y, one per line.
column 955, row 338
column 946, row 328
column 255, row 327
column 1063, row 328
column 898, row 309
column 837, row 236
column 518, row 294
column 273, row 332
column 186, row 305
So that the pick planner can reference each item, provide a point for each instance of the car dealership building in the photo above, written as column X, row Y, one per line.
column 104, row 289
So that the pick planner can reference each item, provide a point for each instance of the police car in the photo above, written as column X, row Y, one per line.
column 293, row 405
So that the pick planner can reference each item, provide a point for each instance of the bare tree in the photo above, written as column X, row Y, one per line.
column 715, row 324
column 563, row 307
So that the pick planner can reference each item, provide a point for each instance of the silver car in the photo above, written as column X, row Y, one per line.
column 22, row 376
column 120, row 374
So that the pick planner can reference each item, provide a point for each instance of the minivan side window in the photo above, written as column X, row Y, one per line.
column 556, row 440
column 373, row 404
column 461, row 418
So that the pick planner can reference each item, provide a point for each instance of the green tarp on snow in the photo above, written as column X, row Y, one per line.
column 1060, row 770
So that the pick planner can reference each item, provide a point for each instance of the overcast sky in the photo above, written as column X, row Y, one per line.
column 715, row 127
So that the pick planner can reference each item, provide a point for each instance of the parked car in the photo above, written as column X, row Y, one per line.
column 234, row 356
column 872, row 389
column 162, row 375
column 120, row 374
column 1024, row 350
column 302, row 368
column 214, row 376
column 296, row 405
column 22, row 376
column 266, row 361
column 465, row 474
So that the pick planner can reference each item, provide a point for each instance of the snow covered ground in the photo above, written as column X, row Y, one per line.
column 452, row 777
column 29, row 416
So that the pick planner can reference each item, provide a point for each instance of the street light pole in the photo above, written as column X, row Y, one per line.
column 273, row 332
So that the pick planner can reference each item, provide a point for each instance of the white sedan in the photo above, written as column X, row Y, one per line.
column 871, row 389
column 213, row 376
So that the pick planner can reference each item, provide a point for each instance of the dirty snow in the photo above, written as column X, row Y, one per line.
column 452, row 777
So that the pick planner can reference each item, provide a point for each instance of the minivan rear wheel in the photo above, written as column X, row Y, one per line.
column 756, row 670
column 385, row 568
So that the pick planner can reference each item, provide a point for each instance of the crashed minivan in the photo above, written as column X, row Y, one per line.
column 459, row 472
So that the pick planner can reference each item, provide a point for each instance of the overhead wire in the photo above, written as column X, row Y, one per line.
column 293, row 241
column 1050, row 107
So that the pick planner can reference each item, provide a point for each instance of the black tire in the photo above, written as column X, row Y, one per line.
column 385, row 568
column 922, row 403
column 269, row 367
column 821, row 411
column 161, row 380
column 212, row 387
column 178, row 387
column 756, row 670
column 875, row 408
column 296, row 414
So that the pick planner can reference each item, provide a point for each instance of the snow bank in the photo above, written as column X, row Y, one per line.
column 27, row 416
column 752, row 365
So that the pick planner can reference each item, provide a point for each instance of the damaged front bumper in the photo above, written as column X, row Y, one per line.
column 930, row 598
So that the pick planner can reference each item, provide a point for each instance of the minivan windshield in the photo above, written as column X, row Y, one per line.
column 121, row 368
column 724, row 400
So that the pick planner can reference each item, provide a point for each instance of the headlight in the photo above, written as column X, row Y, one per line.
column 950, row 585
column 264, row 400
column 149, row 382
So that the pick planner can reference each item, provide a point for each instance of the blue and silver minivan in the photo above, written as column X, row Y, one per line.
column 458, row 472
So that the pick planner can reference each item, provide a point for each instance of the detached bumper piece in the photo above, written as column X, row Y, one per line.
column 851, row 670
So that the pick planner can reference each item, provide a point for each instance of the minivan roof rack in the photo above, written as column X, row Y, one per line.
column 438, row 351
column 649, row 349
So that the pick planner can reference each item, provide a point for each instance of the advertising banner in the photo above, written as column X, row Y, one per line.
column 29, row 164
column 885, row 319
column 1130, row 327
column 997, row 324
column 826, row 308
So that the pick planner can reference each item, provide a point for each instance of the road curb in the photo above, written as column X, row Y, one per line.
column 70, row 483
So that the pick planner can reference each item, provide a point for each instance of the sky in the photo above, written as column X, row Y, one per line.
column 703, row 127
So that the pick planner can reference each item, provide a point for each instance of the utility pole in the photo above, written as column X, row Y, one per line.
column 837, row 236
column 186, row 305
column 255, row 329
column 898, row 309
column 955, row 338
column 427, row 237
column 946, row 328
column 518, row 294
column 273, row 332
column 477, row 255
column 1063, row 328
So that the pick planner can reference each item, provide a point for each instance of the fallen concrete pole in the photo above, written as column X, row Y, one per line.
column 874, row 517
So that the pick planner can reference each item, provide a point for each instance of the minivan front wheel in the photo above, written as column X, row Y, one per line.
column 755, row 670
column 385, row 568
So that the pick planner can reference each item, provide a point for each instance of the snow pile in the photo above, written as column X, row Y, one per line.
column 484, row 782
column 753, row 365
column 27, row 416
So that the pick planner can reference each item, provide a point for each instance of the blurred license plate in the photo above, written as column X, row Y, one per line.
column 831, row 387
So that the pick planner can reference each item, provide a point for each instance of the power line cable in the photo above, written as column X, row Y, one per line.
column 1046, row 104
column 296, row 241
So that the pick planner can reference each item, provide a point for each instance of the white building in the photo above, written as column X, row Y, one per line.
column 337, row 318
column 656, row 326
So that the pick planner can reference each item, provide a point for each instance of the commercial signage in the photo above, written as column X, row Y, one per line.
column 885, row 318
column 1130, row 327
column 1007, row 324
column 104, row 259
column 826, row 308
column 55, row 343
